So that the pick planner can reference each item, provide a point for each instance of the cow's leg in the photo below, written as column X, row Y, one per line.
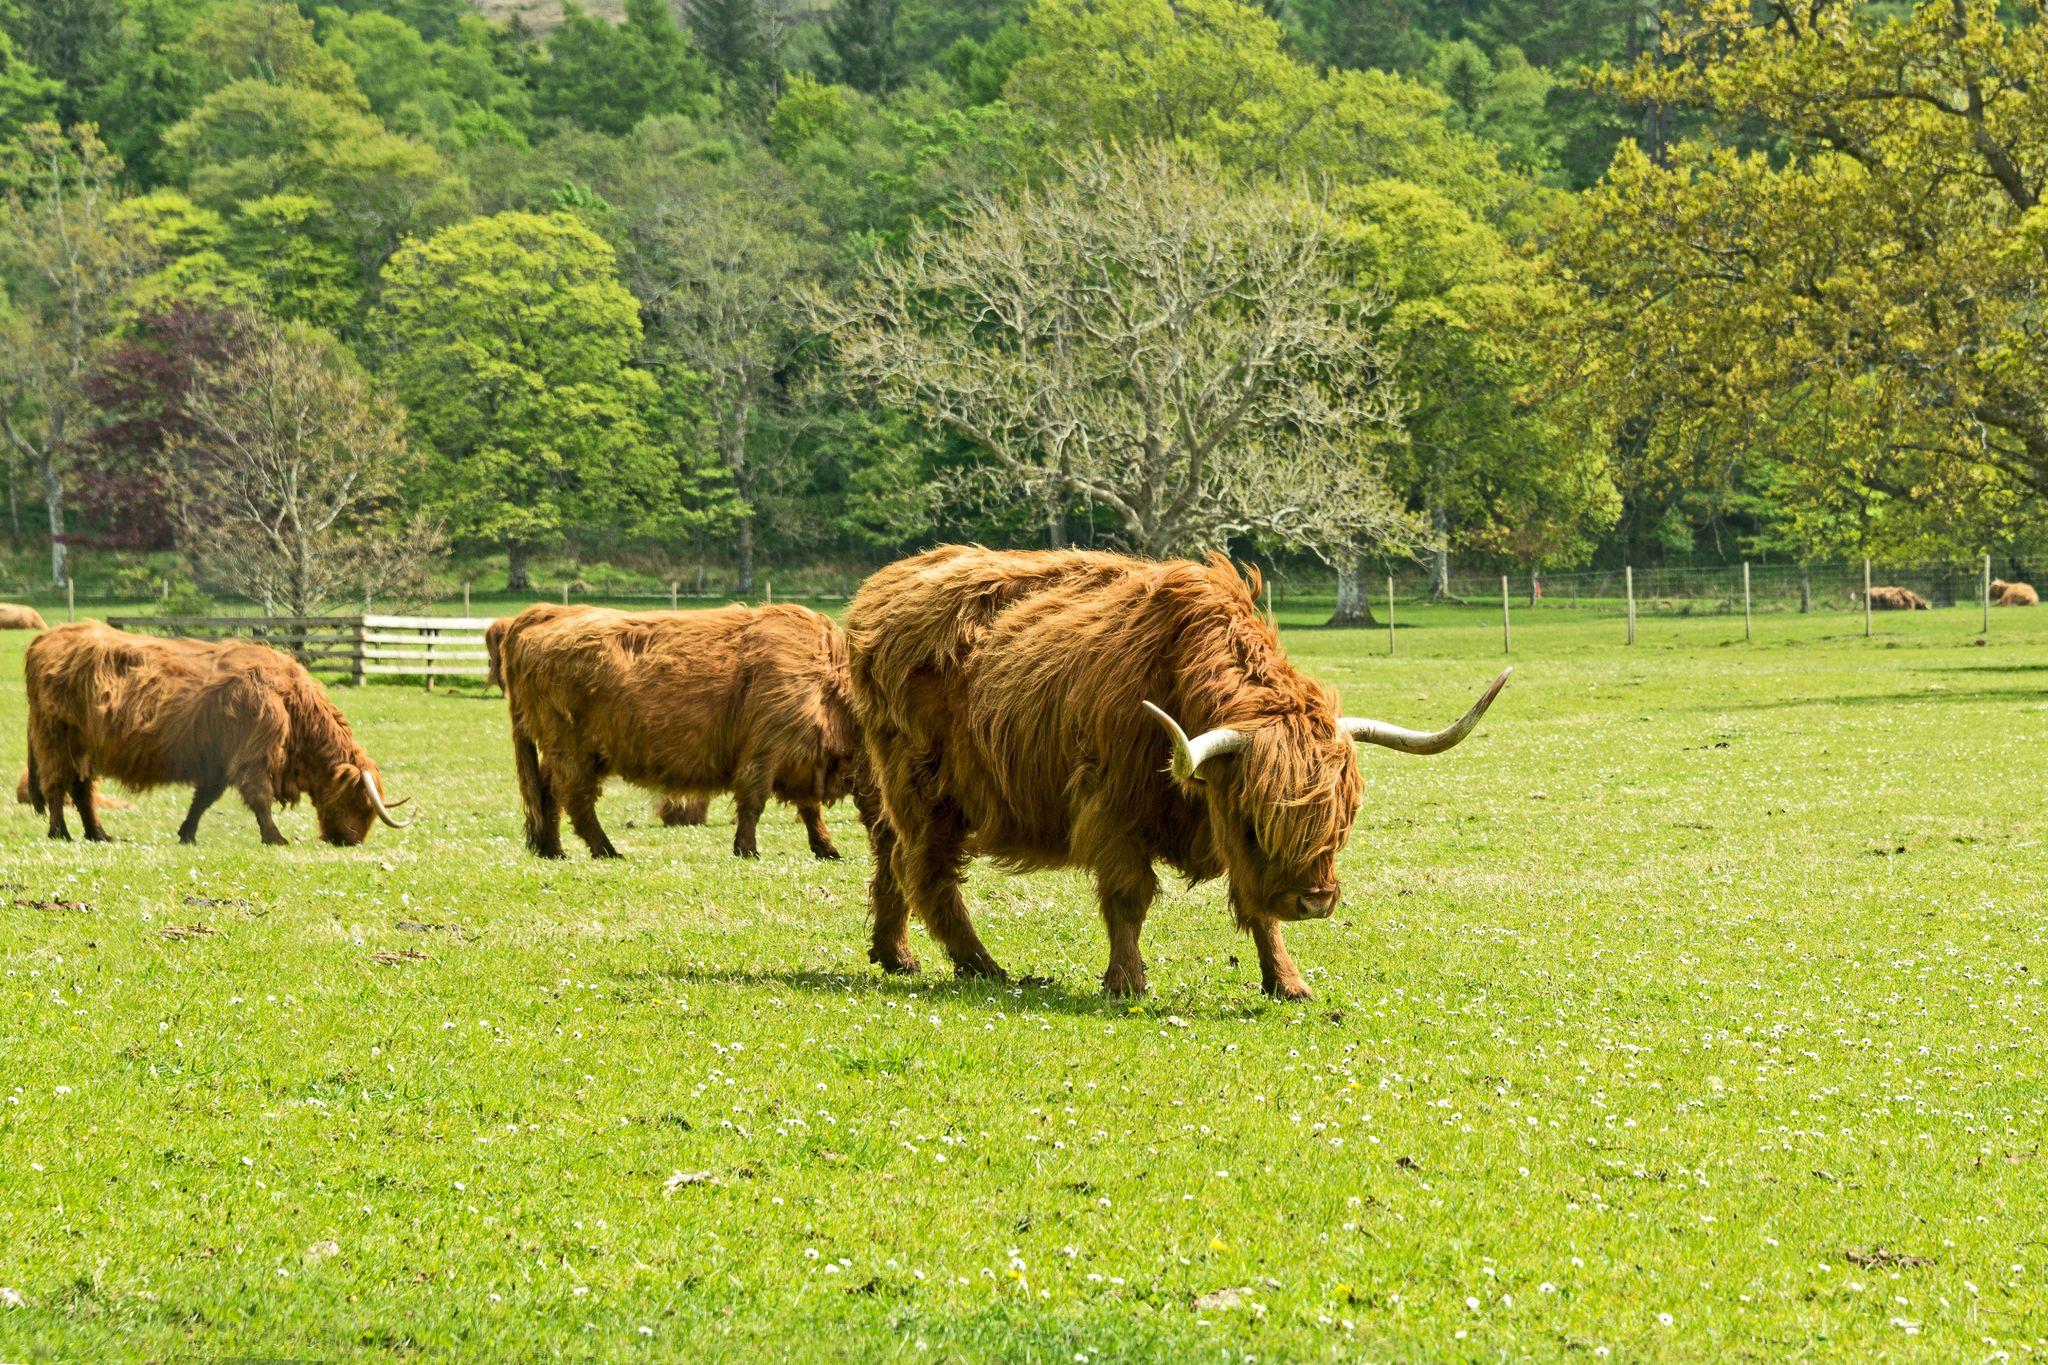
column 685, row 810
column 1126, row 894
column 890, row 947
column 814, row 828
column 750, row 788
column 203, row 796
column 577, row 785
column 260, row 796
column 1278, row 976
column 54, row 788
column 88, row 811
column 930, row 853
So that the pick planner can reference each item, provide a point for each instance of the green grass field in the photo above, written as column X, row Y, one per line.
column 1694, row 1009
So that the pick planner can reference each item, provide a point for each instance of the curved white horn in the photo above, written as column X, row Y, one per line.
column 1190, row 754
column 1422, row 741
column 377, row 800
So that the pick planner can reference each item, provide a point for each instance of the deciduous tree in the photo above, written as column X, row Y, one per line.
column 513, row 344
column 1139, row 336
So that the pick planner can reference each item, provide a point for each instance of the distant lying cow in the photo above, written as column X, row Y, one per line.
column 149, row 712
column 2004, row 594
column 1897, row 599
column 750, row 701
column 13, row 617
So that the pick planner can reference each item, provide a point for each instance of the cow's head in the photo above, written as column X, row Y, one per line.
column 350, row 801
column 1280, row 808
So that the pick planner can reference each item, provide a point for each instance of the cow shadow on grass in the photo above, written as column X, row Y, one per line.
column 1923, row 697
column 1024, row 993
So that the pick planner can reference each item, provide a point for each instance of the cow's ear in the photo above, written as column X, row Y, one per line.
column 347, row 774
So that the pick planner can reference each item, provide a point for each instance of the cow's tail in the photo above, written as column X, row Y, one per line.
column 35, row 786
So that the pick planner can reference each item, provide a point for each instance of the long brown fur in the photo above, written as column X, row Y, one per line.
column 2004, row 594
column 750, row 701
column 1897, row 599
column 148, row 712
column 999, row 696
column 13, row 617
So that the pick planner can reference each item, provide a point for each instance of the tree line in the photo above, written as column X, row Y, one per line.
column 317, row 295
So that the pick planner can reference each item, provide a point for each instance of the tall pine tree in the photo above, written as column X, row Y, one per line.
column 737, row 39
column 864, row 51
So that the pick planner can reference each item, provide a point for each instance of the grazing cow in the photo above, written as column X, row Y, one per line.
column 149, row 712
column 751, row 701
column 2004, row 594
column 13, row 617
column 1897, row 599
column 1028, row 706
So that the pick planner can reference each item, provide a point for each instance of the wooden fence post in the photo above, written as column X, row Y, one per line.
column 1507, row 636
column 1745, row 600
column 1866, row 597
column 674, row 589
column 1390, row 615
column 1628, row 577
column 1270, row 619
column 357, row 655
column 70, row 595
column 768, row 592
column 565, row 592
column 465, row 597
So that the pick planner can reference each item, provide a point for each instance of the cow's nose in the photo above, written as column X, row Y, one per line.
column 1318, row 903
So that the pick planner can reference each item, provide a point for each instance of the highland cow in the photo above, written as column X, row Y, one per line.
column 751, row 701
column 1897, row 599
column 13, row 617
column 1029, row 707
column 2004, row 594
column 148, row 712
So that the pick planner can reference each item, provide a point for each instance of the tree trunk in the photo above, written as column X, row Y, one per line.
column 517, row 575
column 1440, row 558
column 1354, row 593
column 1056, row 523
column 745, row 551
column 1805, row 591
column 53, row 498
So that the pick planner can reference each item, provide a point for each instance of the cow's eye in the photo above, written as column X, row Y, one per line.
column 1251, row 837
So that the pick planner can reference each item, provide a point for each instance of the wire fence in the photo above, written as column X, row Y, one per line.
column 1626, row 593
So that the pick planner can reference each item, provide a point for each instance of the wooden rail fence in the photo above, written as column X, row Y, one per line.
column 427, row 647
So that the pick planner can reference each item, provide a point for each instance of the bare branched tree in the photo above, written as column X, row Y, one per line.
column 286, row 489
column 1147, row 337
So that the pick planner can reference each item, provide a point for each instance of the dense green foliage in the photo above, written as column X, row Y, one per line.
column 1692, row 1010
column 1583, row 239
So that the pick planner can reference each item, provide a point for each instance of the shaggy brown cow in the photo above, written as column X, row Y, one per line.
column 2004, row 594
column 751, row 701
column 1897, row 599
column 1004, row 698
column 149, row 712
column 20, row 618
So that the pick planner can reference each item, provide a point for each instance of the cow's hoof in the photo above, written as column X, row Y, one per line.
column 606, row 852
column 1289, row 990
column 979, row 969
column 63, row 834
column 185, row 838
column 894, row 963
column 279, row 842
column 827, row 853
column 1124, row 981
column 750, row 852
column 98, row 836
